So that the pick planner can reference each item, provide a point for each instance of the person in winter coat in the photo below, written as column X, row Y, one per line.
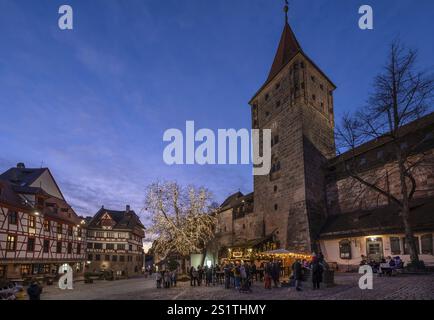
column 317, row 270
column 191, row 276
column 296, row 271
column 268, row 270
column 34, row 291
column 158, row 278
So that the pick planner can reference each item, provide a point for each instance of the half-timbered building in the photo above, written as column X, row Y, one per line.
column 115, row 242
column 39, row 231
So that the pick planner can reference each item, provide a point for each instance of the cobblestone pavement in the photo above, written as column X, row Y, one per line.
column 397, row 287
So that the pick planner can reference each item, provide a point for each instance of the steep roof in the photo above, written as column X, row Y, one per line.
column 22, row 176
column 379, row 220
column 9, row 197
column 122, row 219
column 409, row 128
column 287, row 49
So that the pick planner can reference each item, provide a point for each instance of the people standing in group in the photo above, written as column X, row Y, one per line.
column 191, row 275
column 254, row 273
column 195, row 276
column 237, row 276
column 275, row 273
column 227, row 276
column 208, row 276
column 167, row 279
column 200, row 275
column 173, row 278
column 268, row 270
column 317, row 271
column 158, row 279
column 297, row 274
column 34, row 290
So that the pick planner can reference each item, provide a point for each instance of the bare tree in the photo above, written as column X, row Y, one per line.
column 182, row 218
column 401, row 95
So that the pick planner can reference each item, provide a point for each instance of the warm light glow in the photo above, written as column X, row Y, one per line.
column 36, row 213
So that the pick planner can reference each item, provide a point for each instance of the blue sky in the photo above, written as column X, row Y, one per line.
column 92, row 104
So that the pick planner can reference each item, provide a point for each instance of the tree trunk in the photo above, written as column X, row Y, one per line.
column 414, row 256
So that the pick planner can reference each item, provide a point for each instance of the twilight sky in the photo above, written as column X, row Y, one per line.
column 92, row 104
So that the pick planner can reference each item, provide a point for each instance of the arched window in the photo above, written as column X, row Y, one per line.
column 345, row 249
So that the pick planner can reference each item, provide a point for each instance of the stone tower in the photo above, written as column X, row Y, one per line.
column 296, row 103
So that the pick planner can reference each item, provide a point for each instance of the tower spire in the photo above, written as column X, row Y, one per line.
column 285, row 9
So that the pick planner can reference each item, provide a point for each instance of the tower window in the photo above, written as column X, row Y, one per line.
column 302, row 85
column 267, row 113
column 277, row 86
column 278, row 104
column 267, row 96
column 313, row 97
column 312, row 78
column 321, row 87
column 302, row 65
column 275, row 188
column 276, row 207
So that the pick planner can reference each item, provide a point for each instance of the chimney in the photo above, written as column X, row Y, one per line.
column 127, row 209
column 20, row 165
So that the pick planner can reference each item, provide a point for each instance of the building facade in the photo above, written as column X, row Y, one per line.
column 39, row 231
column 308, row 203
column 115, row 242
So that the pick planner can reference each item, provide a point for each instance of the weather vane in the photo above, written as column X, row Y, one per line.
column 285, row 9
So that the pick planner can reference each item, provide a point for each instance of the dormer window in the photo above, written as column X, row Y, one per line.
column 312, row 78
column 321, row 87
column 267, row 96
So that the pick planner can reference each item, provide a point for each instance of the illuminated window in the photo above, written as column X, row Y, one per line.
column 345, row 249
column 59, row 228
column 11, row 243
column 32, row 221
column 46, row 225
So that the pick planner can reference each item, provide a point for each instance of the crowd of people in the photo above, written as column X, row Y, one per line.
column 166, row 278
column 240, row 275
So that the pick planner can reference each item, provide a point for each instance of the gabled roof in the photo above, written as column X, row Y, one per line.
column 122, row 219
column 22, row 179
column 22, row 176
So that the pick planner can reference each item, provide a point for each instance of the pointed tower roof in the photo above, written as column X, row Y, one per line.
column 288, row 48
